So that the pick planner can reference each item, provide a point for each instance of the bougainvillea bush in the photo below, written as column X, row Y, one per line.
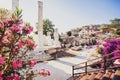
column 15, row 43
column 110, row 46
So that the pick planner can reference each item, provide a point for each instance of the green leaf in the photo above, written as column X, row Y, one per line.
column 17, row 14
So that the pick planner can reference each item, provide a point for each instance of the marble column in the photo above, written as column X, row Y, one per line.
column 40, row 27
column 15, row 3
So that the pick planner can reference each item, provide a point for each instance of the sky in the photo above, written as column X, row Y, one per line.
column 69, row 14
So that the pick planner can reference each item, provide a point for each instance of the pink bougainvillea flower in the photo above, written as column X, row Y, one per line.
column 48, row 73
column 16, row 28
column 1, row 78
column 20, row 21
column 0, row 24
column 41, row 71
column 16, row 77
column 14, row 64
column 27, row 29
column 44, row 72
column 29, row 41
column 5, row 22
column 17, row 64
column 9, row 78
column 1, row 72
column 13, row 77
column 20, row 44
column 32, row 63
column 30, row 30
column 5, row 41
column 2, row 60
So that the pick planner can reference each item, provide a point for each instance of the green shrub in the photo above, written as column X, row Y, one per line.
column 118, row 31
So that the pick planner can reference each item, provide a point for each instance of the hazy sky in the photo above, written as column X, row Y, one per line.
column 68, row 14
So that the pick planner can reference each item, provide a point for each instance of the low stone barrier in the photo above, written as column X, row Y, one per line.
column 54, row 51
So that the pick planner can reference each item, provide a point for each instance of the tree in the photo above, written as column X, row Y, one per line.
column 114, row 23
column 69, row 33
column 104, row 28
column 118, row 32
column 48, row 27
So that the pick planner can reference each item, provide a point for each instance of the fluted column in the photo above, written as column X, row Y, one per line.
column 40, row 27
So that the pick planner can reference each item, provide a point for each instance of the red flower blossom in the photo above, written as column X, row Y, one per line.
column 44, row 72
column 32, row 63
column 2, row 60
column 29, row 42
column 27, row 30
column 1, row 72
column 16, row 28
column 9, row 78
column 16, row 77
column 17, row 64
column 13, row 77
column 20, row 21
column 1, row 78
column 5, row 41
column 48, row 73
column 20, row 44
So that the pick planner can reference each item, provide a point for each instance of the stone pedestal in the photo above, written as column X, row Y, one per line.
column 56, row 38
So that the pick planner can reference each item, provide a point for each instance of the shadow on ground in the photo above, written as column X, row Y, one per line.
column 62, row 54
